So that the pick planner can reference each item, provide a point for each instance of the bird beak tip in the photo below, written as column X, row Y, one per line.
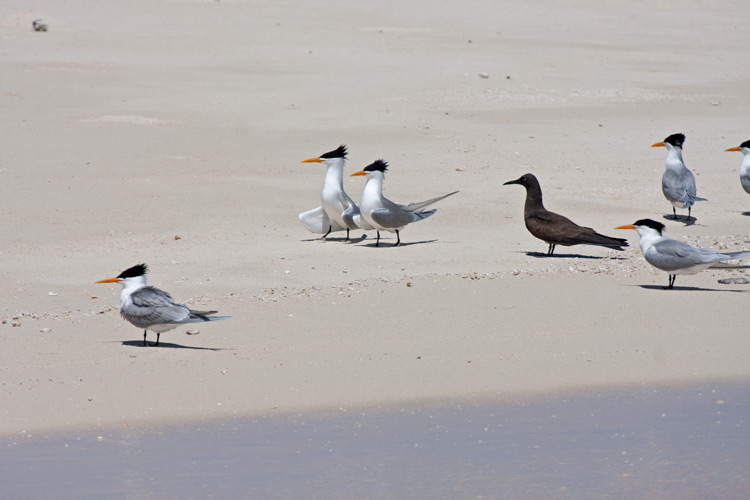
column 312, row 160
column 732, row 149
column 109, row 280
column 361, row 172
column 627, row 226
column 657, row 145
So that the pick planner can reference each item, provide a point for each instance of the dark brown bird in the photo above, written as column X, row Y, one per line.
column 554, row 228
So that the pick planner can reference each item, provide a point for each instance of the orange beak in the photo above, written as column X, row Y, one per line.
column 361, row 172
column 110, row 280
column 628, row 226
column 733, row 149
column 312, row 160
column 657, row 145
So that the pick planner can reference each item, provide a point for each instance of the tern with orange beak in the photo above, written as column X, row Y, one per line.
column 555, row 229
column 676, row 257
column 383, row 214
column 152, row 309
column 744, row 148
column 677, row 182
column 338, row 212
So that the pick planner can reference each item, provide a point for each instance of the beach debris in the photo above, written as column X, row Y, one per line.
column 734, row 281
column 192, row 332
column 52, row 294
column 38, row 25
column 45, row 330
column 484, row 75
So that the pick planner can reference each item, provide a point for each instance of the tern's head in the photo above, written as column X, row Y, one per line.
column 673, row 141
column 331, row 157
column 526, row 180
column 376, row 168
column 744, row 148
column 645, row 226
column 132, row 275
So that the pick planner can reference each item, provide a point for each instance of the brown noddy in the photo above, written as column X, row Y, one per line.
column 554, row 228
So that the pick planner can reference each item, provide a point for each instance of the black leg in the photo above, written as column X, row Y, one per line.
column 672, row 278
column 329, row 232
column 377, row 242
column 157, row 339
column 398, row 239
column 144, row 337
column 347, row 234
column 689, row 209
column 551, row 249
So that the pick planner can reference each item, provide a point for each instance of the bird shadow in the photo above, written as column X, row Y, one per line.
column 688, row 289
column 688, row 221
column 340, row 240
column 746, row 214
column 168, row 345
column 540, row 255
column 402, row 244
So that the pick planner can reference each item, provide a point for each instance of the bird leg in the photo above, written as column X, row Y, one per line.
column 551, row 249
column 674, row 211
column 329, row 232
column 144, row 338
column 347, row 234
column 377, row 242
column 689, row 209
column 398, row 239
column 672, row 278
column 157, row 339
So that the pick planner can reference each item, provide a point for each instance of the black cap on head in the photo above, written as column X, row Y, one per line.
column 339, row 152
column 745, row 144
column 676, row 140
column 650, row 223
column 377, row 165
column 134, row 271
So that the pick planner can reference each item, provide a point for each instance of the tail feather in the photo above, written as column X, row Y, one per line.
column 416, row 207
column 603, row 241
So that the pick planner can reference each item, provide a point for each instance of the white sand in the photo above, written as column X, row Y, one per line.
column 130, row 123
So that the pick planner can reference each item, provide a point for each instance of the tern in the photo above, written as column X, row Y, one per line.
column 676, row 257
column 338, row 212
column 744, row 148
column 152, row 309
column 677, row 182
column 556, row 229
column 383, row 214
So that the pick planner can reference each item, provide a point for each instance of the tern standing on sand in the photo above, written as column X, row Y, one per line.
column 380, row 212
column 677, row 182
column 152, row 309
column 338, row 212
column 744, row 148
column 555, row 229
column 676, row 257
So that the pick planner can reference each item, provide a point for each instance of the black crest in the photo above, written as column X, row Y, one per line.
column 650, row 223
column 377, row 165
column 676, row 140
column 339, row 152
column 134, row 271
column 745, row 144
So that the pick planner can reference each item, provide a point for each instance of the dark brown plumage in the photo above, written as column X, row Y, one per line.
column 554, row 228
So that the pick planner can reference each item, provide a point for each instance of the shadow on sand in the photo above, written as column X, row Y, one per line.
column 688, row 221
column 540, row 255
column 167, row 345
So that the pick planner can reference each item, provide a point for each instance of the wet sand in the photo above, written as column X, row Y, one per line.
column 662, row 443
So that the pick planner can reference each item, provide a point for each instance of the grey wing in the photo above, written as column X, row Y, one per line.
column 679, row 185
column 392, row 215
column 673, row 254
column 151, row 306
column 350, row 216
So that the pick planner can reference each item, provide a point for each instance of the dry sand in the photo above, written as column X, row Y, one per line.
column 171, row 132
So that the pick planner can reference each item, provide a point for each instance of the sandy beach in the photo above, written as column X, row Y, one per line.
column 171, row 133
